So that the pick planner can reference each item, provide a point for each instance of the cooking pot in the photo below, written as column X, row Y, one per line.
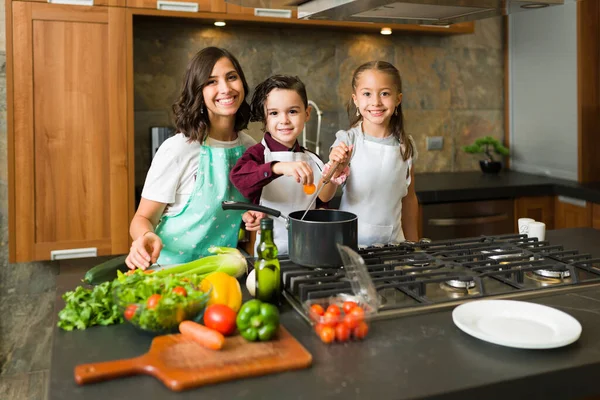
column 312, row 241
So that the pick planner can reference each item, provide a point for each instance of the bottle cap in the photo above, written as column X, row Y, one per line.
column 266, row 223
column 358, row 275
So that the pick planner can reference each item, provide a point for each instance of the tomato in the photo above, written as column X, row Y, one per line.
column 330, row 319
column 319, row 328
column 327, row 334
column 221, row 318
column 342, row 333
column 152, row 301
column 354, row 317
column 130, row 311
column 348, row 305
column 334, row 309
column 316, row 311
column 361, row 330
column 180, row 290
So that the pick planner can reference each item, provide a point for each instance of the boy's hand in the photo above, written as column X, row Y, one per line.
column 299, row 170
column 252, row 220
column 144, row 251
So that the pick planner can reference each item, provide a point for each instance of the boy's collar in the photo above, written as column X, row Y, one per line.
column 274, row 145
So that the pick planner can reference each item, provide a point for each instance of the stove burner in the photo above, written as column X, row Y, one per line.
column 554, row 274
column 461, row 284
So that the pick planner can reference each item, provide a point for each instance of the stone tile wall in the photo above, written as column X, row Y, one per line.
column 453, row 85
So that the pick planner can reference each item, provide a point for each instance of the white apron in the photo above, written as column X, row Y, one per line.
column 374, row 190
column 285, row 194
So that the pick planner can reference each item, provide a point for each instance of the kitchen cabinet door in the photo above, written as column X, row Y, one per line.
column 110, row 3
column 540, row 208
column 572, row 213
column 69, row 184
column 596, row 216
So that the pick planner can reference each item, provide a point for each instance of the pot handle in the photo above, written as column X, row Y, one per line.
column 237, row 205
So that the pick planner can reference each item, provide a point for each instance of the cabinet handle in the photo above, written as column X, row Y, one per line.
column 177, row 6
column 468, row 221
column 570, row 200
column 73, row 253
column 272, row 12
column 73, row 2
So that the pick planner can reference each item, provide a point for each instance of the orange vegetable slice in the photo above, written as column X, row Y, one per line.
column 309, row 189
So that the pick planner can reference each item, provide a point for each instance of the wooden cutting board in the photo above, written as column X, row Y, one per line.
column 183, row 364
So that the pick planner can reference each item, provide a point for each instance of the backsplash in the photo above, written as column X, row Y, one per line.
column 453, row 85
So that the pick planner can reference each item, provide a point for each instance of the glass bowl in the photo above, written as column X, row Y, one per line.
column 159, row 316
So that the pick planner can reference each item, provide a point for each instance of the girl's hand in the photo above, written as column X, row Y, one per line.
column 299, row 170
column 252, row 220
column 341, row 154
column 144, row 251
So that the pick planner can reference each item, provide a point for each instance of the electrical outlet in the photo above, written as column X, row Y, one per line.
column 435, row 142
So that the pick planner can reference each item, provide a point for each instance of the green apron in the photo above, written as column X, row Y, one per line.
column 202, row 222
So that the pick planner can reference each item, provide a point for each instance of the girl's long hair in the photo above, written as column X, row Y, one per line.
column 189, row 119
column 397, row 121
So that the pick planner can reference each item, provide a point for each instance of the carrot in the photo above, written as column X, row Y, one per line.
column 202, row 335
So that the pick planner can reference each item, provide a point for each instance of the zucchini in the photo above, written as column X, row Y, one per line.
column 107, row 271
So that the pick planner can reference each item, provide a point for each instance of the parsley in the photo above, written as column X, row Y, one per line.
column 89, row 307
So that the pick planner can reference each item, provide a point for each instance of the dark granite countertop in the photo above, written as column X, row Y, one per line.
column 464, row 186
column 412, row 357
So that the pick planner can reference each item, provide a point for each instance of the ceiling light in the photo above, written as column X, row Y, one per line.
column 535, row 5
column 386, row 31
column 220, row 23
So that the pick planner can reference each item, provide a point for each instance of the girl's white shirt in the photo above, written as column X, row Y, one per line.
column 172, row 174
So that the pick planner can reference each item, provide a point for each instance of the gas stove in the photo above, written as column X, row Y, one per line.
column 418, row 277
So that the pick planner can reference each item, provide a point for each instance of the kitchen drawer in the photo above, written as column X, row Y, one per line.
column 467, row 219
column 110, row 3
column 167, row 5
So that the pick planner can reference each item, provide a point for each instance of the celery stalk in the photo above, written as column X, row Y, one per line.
column 226, row 259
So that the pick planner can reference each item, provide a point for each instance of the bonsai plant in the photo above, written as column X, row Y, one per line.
column 488, row 145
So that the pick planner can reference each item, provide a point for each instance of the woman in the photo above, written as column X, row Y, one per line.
column 180, row 215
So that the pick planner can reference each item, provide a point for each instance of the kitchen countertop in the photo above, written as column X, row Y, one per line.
column 441, row 187
column 411, row 357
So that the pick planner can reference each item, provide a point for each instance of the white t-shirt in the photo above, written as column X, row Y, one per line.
column 172, row 174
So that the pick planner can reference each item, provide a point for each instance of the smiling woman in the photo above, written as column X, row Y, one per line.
column 179, row 216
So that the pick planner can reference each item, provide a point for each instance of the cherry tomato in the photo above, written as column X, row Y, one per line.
column 130, row 311
column 152, row 301
column 180, row 290
column 361, row 330
column 348, row 305
column 221, row 318
column 316, row 311
column 342, row 333
column 309, row 189
column 334, row 309
column 354, row 317
column 319, row 328
column 330, row 319
column 327, row 334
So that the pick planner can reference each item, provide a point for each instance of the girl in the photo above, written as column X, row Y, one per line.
column 380, row 188
column 276, row 172
column 180, row 215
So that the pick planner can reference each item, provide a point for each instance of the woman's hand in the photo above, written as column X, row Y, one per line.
column 299, row 170
column 252, row 220
column 144, row 251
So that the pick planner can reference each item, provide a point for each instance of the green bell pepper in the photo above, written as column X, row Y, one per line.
column 257, row 321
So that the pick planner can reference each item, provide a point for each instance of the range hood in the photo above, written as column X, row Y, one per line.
column 426, row 12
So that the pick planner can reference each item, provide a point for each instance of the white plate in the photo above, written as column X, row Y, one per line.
column 517, row 324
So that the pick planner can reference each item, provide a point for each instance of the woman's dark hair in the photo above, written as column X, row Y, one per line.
column 189, row 118
column 262, row 90
column 397, row 120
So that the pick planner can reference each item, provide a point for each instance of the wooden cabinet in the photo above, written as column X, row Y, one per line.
column 176, row 5
column 540, row 208
column 572, row 213
column 111, row 3
column 68, row 142
column 596, row 216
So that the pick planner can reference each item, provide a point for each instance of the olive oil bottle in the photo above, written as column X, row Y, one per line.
column 268, row 271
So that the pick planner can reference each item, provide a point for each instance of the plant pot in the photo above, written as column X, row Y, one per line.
column 490, row 167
